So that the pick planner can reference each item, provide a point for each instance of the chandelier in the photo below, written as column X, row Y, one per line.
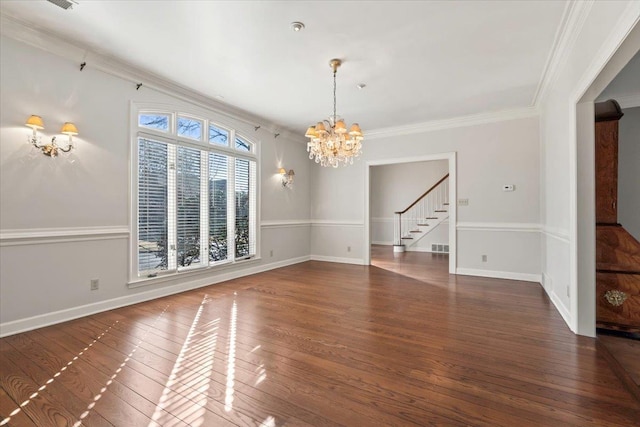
column 329, row 141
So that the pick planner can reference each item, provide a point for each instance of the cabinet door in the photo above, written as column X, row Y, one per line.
column 607, row 172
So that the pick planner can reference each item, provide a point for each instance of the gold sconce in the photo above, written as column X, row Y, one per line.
column 287, row 177
column 51, row 149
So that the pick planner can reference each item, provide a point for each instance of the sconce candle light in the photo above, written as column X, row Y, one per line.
column 287, row 177
column 52, row 149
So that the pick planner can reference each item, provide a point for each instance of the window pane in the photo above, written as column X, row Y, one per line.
column 218, row 136
column 154, row 121
column 242, row 208
column 188, row 206
column 242, row 145
column 190, row 128
column 152, row 205
column 218, row 170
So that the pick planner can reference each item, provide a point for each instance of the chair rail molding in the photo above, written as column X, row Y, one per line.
column 286, row 223
column 35, row 236
column 499, row 226
column 336, row 223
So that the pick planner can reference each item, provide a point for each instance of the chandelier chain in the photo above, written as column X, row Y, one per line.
column 334, row 96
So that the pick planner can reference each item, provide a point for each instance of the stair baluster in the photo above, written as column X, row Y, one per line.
column 425, row 210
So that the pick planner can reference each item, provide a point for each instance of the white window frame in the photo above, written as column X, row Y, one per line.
column 171, row 138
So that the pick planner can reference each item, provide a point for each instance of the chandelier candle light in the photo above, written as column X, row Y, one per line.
column 330, row 144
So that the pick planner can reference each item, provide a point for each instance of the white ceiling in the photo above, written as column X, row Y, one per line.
column 421, row 61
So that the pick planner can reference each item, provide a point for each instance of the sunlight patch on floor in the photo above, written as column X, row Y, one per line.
column 98, row 396
column 56, row 375
column 231, row 358
column 195, row 360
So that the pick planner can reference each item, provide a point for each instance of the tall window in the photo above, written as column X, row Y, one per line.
column 196, row 194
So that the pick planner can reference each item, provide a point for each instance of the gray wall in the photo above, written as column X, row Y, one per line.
column 65, row 221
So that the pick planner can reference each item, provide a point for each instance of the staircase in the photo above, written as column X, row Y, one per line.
column 422, row 216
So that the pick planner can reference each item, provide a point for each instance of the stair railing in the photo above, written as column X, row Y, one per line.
column 421, row 210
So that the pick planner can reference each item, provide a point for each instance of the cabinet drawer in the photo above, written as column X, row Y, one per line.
column 618, row 299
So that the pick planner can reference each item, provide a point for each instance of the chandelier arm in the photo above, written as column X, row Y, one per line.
column 34, row 141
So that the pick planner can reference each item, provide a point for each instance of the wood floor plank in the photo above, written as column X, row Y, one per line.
column 40, row 405
column 10, row 413
column 398, row 343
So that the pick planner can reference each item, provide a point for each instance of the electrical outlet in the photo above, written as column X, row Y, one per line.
column 271, row 253
column 508, row 187
column 484, row 258
column 95, row 284
column 348, row 248
column 463, row 202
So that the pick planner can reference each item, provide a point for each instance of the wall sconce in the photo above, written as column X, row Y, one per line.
column 51, row 149
column 287, row 177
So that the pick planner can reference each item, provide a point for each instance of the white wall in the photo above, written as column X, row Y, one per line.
column 629, row 170
column 393, row 188
column 596, row 32
column 489, row 155
column 65, row 221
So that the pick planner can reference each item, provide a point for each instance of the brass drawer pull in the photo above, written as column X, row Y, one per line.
column 615, row 297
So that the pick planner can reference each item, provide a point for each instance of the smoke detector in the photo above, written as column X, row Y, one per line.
column 297, row 26
column 65, row 4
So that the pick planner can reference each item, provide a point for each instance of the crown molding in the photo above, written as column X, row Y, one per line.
column 623, row 27
column 56, row 44
column 454, row 122
column 573, row 18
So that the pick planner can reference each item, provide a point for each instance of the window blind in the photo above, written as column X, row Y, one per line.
column 188, row 206
column 245, row 189
column 218, row 178
column 152, row 206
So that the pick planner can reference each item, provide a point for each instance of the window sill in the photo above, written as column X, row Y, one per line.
column 194, row 272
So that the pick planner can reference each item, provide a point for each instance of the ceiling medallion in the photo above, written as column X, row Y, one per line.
column 329, row 142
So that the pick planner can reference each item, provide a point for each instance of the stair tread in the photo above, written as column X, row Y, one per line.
column 432, row 217
column 440, row 210
column 409, row 238
column 415, row 231
column 446, row 204
column 423, row 225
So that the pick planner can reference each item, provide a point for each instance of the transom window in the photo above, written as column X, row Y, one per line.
column 196, row 195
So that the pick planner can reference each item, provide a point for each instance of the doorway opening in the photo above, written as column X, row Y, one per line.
column 391, row 185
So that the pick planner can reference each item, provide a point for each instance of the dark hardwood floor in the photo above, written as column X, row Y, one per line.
column 396, row 343
column 623, row 353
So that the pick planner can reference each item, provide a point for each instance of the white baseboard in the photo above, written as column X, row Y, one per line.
column 42, row 320
column 527, row 277
column 424, row 249
column 562, row 309
column 357, row 261
column 383, row 243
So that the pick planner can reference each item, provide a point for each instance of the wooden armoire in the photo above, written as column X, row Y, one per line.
column 617, row 251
